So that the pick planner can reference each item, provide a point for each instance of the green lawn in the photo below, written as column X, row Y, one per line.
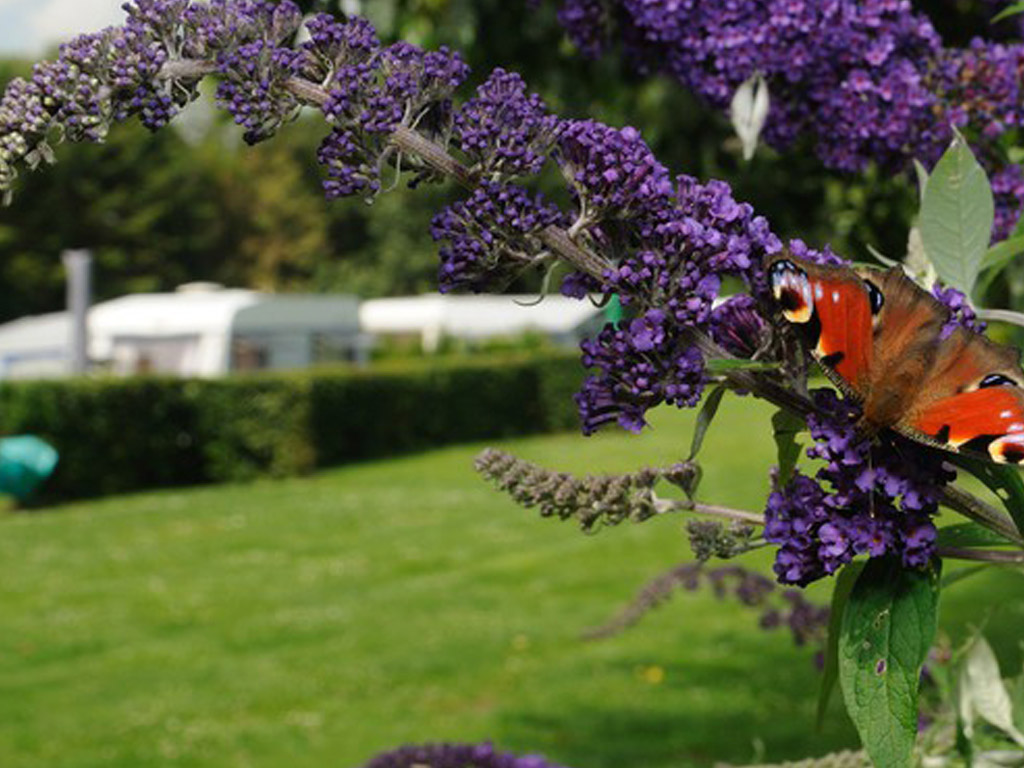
column 314, row 622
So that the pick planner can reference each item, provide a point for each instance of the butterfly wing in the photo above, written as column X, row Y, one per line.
column 880, row 338
column 972, row 400
column 831, row 308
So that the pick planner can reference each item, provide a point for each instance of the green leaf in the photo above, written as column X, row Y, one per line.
column 957, row 212
column 1010, row 10
column 962, row 574
column 1003, row 480
column 704, row 418
column 725, row 364
column 830, row 673
column 971, row 535
column 997, row 258
column 787, row 426
column 1016, row 688
column 981, row 692
column 922, row 178
column 887, row 628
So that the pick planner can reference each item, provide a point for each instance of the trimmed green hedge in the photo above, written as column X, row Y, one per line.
column 117, row 435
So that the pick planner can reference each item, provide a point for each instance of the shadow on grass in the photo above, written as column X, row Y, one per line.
column 730, row 710
column 700, row 714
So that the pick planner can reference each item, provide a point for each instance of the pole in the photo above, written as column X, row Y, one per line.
column 78, row 264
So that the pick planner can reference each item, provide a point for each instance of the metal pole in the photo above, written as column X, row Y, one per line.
column 78, row 264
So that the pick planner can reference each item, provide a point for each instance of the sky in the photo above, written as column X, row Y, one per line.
column 28, row 28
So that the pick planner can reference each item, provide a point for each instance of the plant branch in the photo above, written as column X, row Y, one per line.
column 982, row 555
column 666, row 506
column 409, row 141
column 186, row 69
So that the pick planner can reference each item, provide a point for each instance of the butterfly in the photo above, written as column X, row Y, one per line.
column 886, row 344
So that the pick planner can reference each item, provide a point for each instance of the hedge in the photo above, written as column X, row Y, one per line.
column 117, row 435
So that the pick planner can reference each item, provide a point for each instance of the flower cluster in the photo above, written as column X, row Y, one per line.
column 806, row 621
column 640, row 364
column 737, row 326
column 456, row 756
column 864, row 500
column 254, row 88
column 96, row 79
column 504, row 130
column 371, row 91
column 613, row 173
column 961, row 313
column 587, row 23
column 682, row 240
column 591, row 500
column 250, row 41
column 490, row 237
column 866, row 81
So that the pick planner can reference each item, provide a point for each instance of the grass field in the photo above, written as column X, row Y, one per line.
column 314, row 622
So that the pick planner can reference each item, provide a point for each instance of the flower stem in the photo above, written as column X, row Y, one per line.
column 407, row 140
column 982, row 555
column 666, row 506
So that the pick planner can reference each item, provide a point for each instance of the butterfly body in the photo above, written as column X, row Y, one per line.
column 889, row 345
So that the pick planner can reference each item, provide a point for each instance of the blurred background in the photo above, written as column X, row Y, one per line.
column 260, row 540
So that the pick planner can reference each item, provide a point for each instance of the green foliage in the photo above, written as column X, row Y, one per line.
column 705, row 416
column 998, row 258
column 1003, row 480
column 957, row 211
column 121, row 435
column 845, row 582
column 112, row 435
column 1010, row 10
column 786, row 426
column 970, row 535
column 888, row 627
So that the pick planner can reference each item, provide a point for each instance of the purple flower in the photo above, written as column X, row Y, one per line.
column 254, row 89
column 639, row 364
column 848, row 508
column 613, row 173
column 685, row 238
column 371, row 92
column 348, row 173
column 456, row 756
column 863, row 80
column 587, row 23
column 961, row 313
column 491, row 237
column 737, row 326
column 504, row 129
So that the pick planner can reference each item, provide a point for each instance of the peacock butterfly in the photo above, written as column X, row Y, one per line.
column 886, row 343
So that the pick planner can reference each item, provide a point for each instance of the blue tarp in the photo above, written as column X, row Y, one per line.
column 25, row 462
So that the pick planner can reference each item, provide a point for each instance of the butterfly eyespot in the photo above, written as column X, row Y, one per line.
column 996, row 380
column 875, row 297
column 792, row 290
column 1008, row 449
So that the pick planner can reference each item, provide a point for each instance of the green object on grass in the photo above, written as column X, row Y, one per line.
column 25, row 462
